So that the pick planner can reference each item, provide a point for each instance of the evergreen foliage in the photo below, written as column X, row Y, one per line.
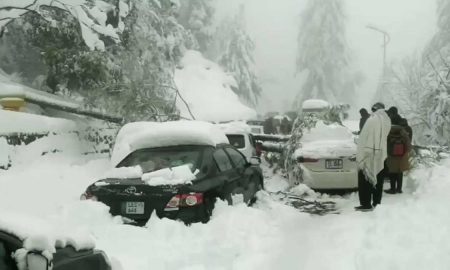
column 237, row 58
column 323, row 54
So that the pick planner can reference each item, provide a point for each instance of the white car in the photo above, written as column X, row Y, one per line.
column 327, row 158
column 239, row 135
column 256, row 127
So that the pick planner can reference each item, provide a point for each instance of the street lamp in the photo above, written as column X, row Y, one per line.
column 386, row 40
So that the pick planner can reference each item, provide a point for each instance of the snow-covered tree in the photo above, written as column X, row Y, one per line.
column 437, row 79
column 91, row 16
column 323, row 54
column 197, row 17
column 237, row 57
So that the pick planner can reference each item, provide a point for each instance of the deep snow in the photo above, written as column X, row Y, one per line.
column 407, row 231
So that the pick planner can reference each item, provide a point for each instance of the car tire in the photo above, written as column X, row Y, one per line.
column 257, row 185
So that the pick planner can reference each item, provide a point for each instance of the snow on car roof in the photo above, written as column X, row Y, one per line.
column 329, row 141
column 38, row 234
column 141, row 135
column 314, row 104
column 235, row 128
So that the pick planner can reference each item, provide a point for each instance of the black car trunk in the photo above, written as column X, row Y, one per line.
column 132, row 198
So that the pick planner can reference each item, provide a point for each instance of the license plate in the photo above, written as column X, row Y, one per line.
column 334, row 164
column 135, row 208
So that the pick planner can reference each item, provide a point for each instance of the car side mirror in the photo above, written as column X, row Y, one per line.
column 255, row 161
column 36, row 261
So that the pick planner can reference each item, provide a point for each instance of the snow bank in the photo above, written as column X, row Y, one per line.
column 207, row 90
column 141, row 135
column 170, row 176
column 17, row 122
column 41, row 235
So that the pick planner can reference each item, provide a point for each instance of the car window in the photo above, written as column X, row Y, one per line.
column 236, row 140
column 6, row 261
column 237, row 158
column 160, row 158
column 222, row 160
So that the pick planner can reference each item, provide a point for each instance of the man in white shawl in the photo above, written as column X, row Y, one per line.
column 371, row 157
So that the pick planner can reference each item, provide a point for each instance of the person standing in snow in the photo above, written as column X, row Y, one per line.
column 364, row 116
column 371, row 156
column 399, row 147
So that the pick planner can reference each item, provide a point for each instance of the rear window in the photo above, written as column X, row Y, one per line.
column 160, row 158
column 237, row 141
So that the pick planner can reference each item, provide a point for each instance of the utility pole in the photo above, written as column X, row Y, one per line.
column 386, row 40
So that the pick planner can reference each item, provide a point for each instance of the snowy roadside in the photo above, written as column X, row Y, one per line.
column 408, row 231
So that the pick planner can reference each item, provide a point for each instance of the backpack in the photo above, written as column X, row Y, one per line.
column 396, row 145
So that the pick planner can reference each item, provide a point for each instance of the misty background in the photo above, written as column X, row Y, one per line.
column 274, row 27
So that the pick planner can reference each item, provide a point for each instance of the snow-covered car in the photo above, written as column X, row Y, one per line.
column 240, row 136
column 256, row 126
column 31, row 250
column 327, row 157
column 176, row 170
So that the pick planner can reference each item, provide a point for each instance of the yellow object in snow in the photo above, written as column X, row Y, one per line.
column 12, row 103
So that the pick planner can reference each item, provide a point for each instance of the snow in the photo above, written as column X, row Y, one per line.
column 141, row 135
column 235, row 127
column 40, row 235
column 353, row 125
column 92, row 20
column 327, row 141
column 314, row 104
column 123, row 173
column 170, row 176
column 18, row 122
column 207, row 90
column 407, row 231
column 4, row 152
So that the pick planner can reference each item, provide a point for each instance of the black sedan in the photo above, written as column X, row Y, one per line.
column 63, row 259
column 220, row 172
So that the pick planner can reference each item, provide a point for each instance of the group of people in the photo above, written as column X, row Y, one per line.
column 383, row 152
column 275, row 126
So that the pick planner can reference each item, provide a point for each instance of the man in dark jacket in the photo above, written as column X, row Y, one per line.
column 364, row 116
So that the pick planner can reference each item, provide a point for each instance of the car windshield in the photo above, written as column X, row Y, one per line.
column 237, row 140
column 154, row 159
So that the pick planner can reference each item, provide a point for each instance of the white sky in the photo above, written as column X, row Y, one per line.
column 274, row 24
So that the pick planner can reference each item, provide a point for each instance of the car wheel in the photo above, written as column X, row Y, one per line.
column 210, row 203
column 255, row 185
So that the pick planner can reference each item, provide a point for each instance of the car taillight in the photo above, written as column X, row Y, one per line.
column 307, row 160
column 184, row 200
column 88, row 196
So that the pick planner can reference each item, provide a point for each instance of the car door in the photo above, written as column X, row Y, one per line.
column 226, row 171
column 241, row 167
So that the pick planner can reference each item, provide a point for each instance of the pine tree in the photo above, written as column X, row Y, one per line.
column 323, row 53
column 237, row 58
column 197, row 17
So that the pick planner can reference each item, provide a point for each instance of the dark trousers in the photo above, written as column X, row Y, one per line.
column 368, row 194
column 396, row 180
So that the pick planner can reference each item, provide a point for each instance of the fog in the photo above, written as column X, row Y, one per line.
column 274, row 24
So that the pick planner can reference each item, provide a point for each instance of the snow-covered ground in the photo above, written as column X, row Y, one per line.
column 407, row 231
